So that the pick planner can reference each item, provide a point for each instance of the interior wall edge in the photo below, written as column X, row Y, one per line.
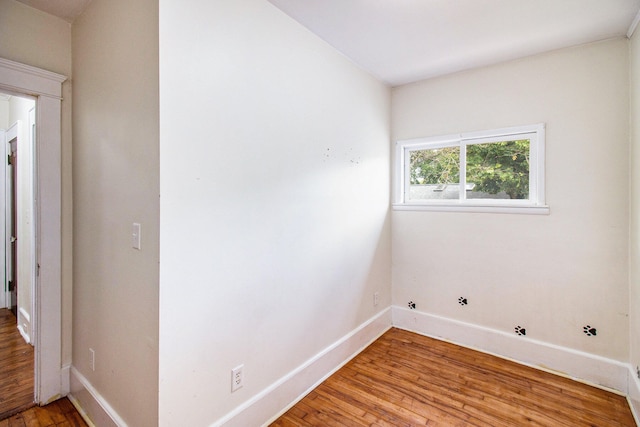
column 634, row 394
column 598, row 371
column 65, row 379
column 299, row 382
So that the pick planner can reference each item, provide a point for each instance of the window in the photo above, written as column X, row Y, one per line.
column 491, row 171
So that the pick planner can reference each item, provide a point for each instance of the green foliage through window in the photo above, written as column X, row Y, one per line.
column 500, row 168
column 493, row 170
column 437, row 166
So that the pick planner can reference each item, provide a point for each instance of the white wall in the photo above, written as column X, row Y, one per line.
column 38, row 39
column 116, row 183
column 274, row 201
column 19, row 108
column 634, row 261
column 552, row 274
column 4, row 112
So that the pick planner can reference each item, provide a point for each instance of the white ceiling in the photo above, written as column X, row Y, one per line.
column 401, row 41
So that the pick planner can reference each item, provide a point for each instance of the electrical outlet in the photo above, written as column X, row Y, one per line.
column 237, row 378
column 92, row 359
column 376, row 298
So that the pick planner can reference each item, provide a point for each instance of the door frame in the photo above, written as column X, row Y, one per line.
column 4, row 292
column 51, row 378
column 11, row 215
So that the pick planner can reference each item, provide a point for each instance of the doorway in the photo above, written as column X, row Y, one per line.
column 17, row 121
column 51, row 378
column 18, row 117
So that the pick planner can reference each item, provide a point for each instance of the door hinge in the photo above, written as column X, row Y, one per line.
column 10, row 285
column 9, row 159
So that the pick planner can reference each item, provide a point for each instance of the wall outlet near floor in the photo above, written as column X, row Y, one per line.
column 237, row 378
column 92, row 359
column 376, row 298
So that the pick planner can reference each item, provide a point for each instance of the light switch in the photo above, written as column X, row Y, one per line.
column 135, row 235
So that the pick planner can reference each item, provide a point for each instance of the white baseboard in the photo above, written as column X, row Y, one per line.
column 24, row 334
column 595, row 370
column 92, row 406
column 81, row 411
column 276, row 399
column 299, row 382
column 24, row 324
column 634, row 394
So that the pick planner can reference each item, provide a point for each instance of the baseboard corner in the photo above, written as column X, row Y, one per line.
column 260, row 409
column 634, row 394
column 592, row 369
column 24, row 334
column 65, row 379
column 90, row 403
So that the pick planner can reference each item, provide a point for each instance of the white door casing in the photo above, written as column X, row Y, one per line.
column 46, row 87
column 4, row 292
column 34, row 208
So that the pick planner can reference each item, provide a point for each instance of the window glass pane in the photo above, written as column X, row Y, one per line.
column 498, row 170
column 434, row 174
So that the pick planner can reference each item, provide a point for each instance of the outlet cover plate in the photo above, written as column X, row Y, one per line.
column 237, row 378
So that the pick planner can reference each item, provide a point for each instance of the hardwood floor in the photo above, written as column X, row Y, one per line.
column 405, row 379
column 60, row 413
column 16, row 368
column 17, row 407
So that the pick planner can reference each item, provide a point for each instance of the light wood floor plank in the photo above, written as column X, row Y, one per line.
column 17, row 407
column 16, row 368
column 405, row 379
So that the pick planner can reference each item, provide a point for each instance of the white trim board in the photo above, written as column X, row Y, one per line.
column 81, row 411
column 92, row 406
column 24, row 324
column 634, row 394
column 29, row 80
column 594, row 370
column 608, row 374
column 299, row 382
column 46, row 324
column 261, row 408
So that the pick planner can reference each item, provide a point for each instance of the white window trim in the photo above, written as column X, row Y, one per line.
column 534, row 205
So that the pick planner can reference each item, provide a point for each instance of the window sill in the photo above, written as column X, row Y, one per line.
column 527, row 210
